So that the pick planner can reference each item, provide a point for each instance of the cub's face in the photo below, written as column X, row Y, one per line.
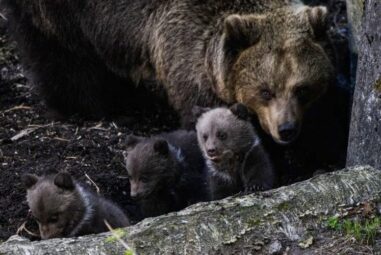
column 222, row 135
column 150, row 166
column 52, row 206
column 281, row 70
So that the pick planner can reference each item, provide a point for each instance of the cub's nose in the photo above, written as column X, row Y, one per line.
column 288, row 131
column 212, row 152
column 134, row 195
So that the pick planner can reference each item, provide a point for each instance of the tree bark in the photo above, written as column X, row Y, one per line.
column 365, row 130
column 263, row 223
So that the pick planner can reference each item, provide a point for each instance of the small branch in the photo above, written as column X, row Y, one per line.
column 96, row 186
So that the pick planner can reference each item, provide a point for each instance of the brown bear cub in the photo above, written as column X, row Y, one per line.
column 166, row 172
column 64, row 208
column 233, row 152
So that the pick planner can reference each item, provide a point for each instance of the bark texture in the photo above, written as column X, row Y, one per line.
column 355, row 11
column 264, row 223
column 365, row 130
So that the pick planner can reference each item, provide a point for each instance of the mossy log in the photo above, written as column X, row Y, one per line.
column 290, row 217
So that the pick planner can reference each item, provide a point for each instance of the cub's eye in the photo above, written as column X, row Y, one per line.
column 266, row 94
column 36, row 219
column 144, row 179
column 221, row 135
column 205, row 137
column 53, row 219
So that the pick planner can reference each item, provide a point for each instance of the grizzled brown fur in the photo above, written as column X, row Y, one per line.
column 87, row 55
column 63, row 208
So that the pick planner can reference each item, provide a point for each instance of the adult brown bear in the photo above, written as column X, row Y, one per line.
column 87, row 56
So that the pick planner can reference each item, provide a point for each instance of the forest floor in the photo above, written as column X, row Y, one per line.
column 32, row 142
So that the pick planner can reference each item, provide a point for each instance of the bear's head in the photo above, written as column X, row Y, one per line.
column 152, row 165
column 275, row 65
column 55, row 203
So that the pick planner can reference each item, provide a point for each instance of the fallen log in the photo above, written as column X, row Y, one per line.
column 288, row 218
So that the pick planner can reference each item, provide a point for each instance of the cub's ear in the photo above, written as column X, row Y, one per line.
column 29, row 180
column 197, row 111
column 240, row 111
column 317, row 17
column 242, row 31
column 63, row 180
column 161, row 146
column 131, row 141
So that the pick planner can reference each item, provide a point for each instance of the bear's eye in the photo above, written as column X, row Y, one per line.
column 221, row 135
column 303, row 93
column 205, row 137
column 53, row 218
column 144, row 179
column 266, row 94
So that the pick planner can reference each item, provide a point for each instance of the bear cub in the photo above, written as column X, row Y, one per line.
column 235, row 158
column 166, row 172
column 64, row 208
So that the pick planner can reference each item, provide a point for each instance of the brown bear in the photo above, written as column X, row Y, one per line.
column 89, row 56
column 62, row 207
column 166, row 172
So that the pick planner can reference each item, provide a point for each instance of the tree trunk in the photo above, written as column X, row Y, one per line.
column 290, row 218
column 365, row 130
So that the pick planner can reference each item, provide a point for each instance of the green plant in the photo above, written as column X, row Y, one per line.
column 117, row 235
column 333, row 222
column 362, row 230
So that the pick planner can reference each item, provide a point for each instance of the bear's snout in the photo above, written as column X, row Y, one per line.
column 288, row 131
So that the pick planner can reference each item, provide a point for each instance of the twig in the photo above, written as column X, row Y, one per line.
column 115, row 234
column 23, row 228
column 3, row 17
column 61, row 139
column 96, row 186
column 23, row 133
column 19, row 107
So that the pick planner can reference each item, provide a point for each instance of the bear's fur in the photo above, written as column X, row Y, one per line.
column 64, row 208
column 166, row 172
column 232, row 149
column 87, row 55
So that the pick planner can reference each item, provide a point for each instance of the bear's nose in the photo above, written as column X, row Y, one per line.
column 287, row 131
column 212, row 152
column 135, row 195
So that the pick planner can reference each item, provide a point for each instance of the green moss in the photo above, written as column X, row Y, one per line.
column 116, row 234
column 253, row 222
column 283, row 206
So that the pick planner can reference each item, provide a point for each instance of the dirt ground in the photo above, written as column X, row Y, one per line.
column 31, row 141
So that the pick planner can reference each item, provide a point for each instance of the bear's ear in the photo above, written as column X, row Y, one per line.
column 317, row 17
column 241, row 31
column 29, row 180
column 63, row 180
column 240, row 111
column 131, row 141
column 161, row 147
column 197, row 111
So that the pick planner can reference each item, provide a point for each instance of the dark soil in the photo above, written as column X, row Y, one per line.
column 32, row 141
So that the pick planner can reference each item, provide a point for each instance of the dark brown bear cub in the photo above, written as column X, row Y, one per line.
column 63, row 208
column 166, row 172
column 234, row 155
